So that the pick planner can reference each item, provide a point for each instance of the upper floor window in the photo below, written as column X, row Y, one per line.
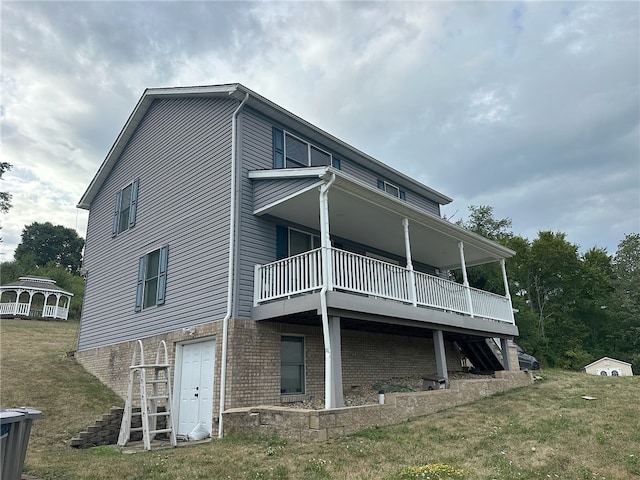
column 290, row 151
column 392, row 189
column 124, row 216
column 152, row 278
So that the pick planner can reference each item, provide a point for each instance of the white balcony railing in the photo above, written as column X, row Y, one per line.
column 24, row 309
column 368, row 276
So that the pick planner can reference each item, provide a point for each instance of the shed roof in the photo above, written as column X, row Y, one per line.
column 606, row 358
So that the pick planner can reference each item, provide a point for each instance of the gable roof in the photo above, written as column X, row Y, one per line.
column 238, row 92
column 606, row 358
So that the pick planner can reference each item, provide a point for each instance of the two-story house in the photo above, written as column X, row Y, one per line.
column 277, row 261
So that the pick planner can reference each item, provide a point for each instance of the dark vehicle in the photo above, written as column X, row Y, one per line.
column 526, row 361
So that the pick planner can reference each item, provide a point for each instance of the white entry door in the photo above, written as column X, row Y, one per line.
column 196, row 386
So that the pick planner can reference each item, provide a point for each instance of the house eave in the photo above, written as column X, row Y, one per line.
column 378, row 199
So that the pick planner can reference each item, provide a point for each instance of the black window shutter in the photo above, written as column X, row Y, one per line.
column 116, row 215
column 162, row 275
column 380, row 184
column 140, row 284
column 134, row 203
column 278, row 148
column 282, row 242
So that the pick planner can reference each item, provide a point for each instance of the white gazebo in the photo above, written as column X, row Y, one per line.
column 34, row 297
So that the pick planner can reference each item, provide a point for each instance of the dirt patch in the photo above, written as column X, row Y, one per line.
column 368, row 394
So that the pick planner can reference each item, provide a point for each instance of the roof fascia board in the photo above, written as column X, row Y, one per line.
column 282, row 173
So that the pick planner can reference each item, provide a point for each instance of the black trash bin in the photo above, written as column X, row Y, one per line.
column 434, row 383
column 15, row 424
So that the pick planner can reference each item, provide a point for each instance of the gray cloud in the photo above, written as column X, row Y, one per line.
column 531, row 107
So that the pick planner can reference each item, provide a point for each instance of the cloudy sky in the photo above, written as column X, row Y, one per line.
column 530, row 107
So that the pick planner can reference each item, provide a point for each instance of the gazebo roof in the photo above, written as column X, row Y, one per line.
column 33, row 282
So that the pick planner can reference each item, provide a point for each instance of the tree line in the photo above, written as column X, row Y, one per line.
column 571, row 308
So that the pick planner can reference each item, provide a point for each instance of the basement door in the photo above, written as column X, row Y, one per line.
column 196, row 386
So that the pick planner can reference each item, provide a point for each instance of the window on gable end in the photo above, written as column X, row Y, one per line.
column 126, row 203
column 152, row 279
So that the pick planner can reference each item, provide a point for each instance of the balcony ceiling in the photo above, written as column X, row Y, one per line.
column 372, row 217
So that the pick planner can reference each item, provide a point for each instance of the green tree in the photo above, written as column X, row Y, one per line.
column 625, row 307
column 481, row 220
column 5, row 198
column 44, row 244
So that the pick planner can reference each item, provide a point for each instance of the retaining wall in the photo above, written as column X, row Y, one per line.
column 320, row 425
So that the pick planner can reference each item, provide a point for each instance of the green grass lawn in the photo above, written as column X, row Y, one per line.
column 546, row 431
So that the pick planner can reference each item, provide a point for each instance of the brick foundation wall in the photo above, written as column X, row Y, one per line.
column 253, row 368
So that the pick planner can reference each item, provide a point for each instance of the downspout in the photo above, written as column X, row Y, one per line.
column 467, row 288
column 326, row 267
column 232, row 230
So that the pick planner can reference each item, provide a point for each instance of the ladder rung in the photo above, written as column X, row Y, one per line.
column 159, row 414
column 159, row 397
column 162, row 380
column 135, row 429
column 150, row 365
column 164, row 430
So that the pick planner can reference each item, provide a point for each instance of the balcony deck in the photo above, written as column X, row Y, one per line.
column 368, row 277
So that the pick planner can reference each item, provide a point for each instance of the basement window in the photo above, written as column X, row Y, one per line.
column 292, row 366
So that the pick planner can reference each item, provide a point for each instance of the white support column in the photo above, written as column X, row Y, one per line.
column 57, row 305
column 15, row 307
column 30, row 300
column 441, row 356
column 507, row 294
column 412, row 276
column 336, row 361
column 325, row 237
column 465, row 279
column 506, row 359
column 325, row 241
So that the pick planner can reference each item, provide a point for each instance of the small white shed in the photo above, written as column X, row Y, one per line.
column 609, row 367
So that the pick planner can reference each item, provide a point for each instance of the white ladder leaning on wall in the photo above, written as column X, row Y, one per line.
column 159, row 396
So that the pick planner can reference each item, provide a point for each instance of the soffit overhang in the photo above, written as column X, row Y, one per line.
column 367, row 215
column 280, row 115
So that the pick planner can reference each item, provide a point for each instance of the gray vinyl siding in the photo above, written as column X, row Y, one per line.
column 257, row 243
column 266, row 192
column 371, row 178
column 181, row 153
column 354, row 166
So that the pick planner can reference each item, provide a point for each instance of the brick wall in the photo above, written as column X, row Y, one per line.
column 253, row 369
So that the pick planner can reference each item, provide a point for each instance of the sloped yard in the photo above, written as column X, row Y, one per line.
column 544, row 431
